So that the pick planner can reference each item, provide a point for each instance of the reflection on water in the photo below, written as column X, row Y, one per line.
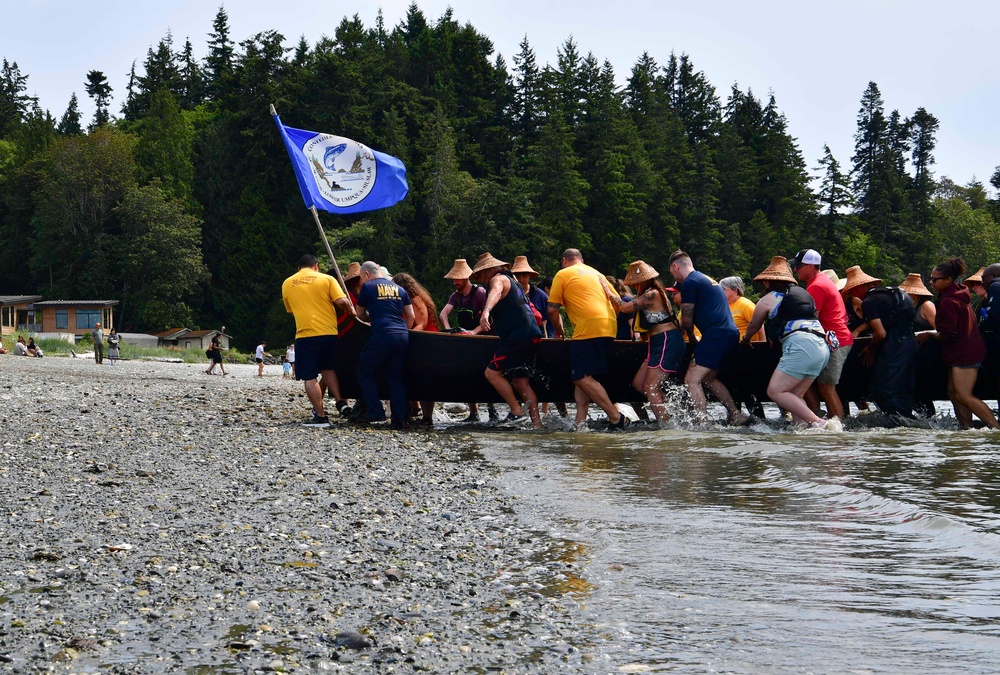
column 754, row 551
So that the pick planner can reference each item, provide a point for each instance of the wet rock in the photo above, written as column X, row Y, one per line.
column 394, row 574
column 352, row 640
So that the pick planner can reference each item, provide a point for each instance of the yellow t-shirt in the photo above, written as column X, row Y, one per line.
column 309, row 296
column 578, row 288
column 742, row 311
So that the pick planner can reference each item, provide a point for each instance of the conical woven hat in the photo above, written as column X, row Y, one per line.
column 857, row 277
column 914, row 285
column 460, row 270
column 353, row 271
column 976, row 278
column 638, row 272
column 486, row 261
column 521, row 266
column 776, row 271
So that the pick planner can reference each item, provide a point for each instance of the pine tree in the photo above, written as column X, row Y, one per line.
column 69, row 124
column 100, row 91
column 191, row 80
column 14, row 103
column 835, row 194
column 221, row 53
column 526, row 110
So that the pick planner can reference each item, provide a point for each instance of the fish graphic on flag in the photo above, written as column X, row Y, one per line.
column 339, row 175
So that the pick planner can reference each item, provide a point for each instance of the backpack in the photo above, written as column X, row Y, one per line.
column 903, row 310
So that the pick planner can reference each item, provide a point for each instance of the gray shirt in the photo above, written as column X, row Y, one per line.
column 97, row 335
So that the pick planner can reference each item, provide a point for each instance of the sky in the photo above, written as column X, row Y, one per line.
column 816, row 57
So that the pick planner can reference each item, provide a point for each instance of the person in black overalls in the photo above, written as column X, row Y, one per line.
column 510, row 315
column 892, row 353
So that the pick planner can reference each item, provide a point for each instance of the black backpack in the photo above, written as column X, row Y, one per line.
column 903, row 309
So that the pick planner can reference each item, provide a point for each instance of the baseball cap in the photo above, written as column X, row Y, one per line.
column 807, row 256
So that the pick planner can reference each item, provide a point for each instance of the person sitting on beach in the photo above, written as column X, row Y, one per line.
column 804, row 350
column 33, row 349
column 467, row 304
column 388, row 308
column 665, row 348
column 583, row 291
column 740, row 307
column 892, row 352
column 703, row 304
column 832, row 315
column 962, row 347
column 21, row 347
column 312, row 298
column 508, row 308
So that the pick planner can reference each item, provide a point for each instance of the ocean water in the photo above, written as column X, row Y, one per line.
column 765, row 550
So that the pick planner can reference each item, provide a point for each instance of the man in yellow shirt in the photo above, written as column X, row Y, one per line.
column 580, row 289
column 312, row 297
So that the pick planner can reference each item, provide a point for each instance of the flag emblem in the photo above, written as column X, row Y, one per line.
column 345, row 170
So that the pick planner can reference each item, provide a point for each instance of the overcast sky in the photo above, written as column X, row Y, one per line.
column 817, row 57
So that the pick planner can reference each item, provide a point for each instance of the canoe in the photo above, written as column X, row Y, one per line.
column 449, row 368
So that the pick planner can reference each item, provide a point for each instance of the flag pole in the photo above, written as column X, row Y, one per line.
column 329, row 251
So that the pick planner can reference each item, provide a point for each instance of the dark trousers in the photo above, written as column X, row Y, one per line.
column 99, row 352
column 384, row 352
column 894, row 375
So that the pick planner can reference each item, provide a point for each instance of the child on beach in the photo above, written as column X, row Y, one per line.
column 286, row 366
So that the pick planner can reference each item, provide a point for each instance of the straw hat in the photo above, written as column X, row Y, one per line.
column 837, row 281
column 914, row 285
column 460, row 270
column 486, row 261
column 857, row 277
column 639, row 272
column 776, row 271
column 353, row 271
column 521, row 266
column 976, row 278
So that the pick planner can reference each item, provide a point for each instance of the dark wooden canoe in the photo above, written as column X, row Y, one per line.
column 449, row 367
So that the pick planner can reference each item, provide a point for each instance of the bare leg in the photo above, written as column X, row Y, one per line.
column 787, row 392
column 331, row 382
column 834, row 407
column 593, row 391
column 961, row 381
column 523, row 386
column 500, row 383
column 315, row 396
column 582, row 404
column 654, row 393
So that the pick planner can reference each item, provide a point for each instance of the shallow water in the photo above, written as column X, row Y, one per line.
column 755, row 550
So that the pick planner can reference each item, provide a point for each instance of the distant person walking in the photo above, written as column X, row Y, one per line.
column 290, row 358
column 215, row 354
column 97, row 336
column 259, row 358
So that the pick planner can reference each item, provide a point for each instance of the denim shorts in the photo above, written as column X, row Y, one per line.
column 803, row 355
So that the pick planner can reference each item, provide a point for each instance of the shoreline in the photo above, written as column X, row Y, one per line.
column 158, row 519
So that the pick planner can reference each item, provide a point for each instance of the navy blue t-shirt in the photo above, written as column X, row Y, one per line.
column 384, row 301
column 711, row 309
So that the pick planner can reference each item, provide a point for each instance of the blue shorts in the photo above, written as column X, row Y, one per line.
column 711, row 349
column 666, row 351
column 803, row 355
column 589, row 357
column 314, row 355
column 516, row 359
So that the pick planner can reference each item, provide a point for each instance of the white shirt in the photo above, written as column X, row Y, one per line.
column 260, row 352
column 290, row 355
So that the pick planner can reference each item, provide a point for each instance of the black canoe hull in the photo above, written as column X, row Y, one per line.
column 449, row 368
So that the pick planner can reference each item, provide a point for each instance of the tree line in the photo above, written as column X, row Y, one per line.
column 183, row 204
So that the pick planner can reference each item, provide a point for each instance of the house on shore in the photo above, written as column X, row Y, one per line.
column 77, row 317
column 185, row 338
column 17, row 313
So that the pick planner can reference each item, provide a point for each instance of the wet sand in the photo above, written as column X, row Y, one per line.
column 156, row 519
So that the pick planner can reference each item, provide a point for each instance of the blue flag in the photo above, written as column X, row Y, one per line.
column 339, row 175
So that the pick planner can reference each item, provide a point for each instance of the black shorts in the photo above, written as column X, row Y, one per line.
column 516, row 359
column 314, row 355
column 589, row 357
column 259, row 360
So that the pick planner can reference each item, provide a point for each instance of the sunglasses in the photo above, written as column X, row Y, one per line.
column 933, row 279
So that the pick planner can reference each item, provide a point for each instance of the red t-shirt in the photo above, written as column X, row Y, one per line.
column 830, row 308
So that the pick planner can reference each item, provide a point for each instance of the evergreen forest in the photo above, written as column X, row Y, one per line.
column 183, row 204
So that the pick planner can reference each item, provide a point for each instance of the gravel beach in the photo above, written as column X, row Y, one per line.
column 157, row 519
